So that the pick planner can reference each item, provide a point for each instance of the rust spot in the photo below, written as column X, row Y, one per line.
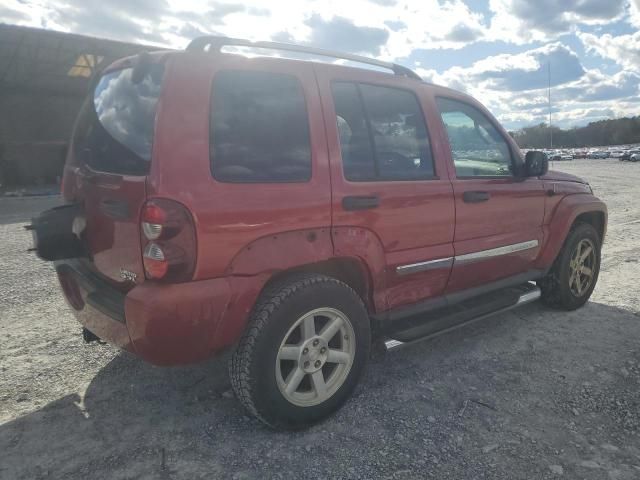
column 312, row 237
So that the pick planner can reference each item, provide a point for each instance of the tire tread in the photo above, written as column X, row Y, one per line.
column 268, row 302
column 550, row 285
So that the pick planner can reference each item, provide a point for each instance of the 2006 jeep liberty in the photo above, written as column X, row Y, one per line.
column 294, row 210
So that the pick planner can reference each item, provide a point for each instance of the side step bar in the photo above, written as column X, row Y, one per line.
column 449, row 318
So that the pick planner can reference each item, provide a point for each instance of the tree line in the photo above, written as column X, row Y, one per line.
column 617, row 131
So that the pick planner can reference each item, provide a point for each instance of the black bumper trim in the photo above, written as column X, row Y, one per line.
column 101, row 295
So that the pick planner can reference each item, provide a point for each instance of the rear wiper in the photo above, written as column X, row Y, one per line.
column 141, row 68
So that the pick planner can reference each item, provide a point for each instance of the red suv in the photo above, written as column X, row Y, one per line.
column 294, row 210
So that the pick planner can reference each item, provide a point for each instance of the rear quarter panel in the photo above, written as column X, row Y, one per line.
column 230, row 217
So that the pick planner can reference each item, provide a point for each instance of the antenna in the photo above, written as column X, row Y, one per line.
column 549, row 96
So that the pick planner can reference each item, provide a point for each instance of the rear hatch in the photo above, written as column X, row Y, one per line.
column 108, row 164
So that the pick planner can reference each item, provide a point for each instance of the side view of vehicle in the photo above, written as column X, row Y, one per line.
column 297, row 211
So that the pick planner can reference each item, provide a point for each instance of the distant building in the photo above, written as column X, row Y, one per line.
column 44, row 76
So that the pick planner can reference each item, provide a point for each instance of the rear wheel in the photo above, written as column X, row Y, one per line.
column 304, row 351
column 573, row 277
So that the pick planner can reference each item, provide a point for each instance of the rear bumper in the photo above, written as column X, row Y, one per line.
column 164, row 324
column 96, row 304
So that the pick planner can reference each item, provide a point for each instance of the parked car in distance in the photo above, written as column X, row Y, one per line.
column 552, row 155
column 634, row 156
column 597, row 154
column 292, row 211
column 558, row 155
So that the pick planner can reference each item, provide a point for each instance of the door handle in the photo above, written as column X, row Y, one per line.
column 475, row 197
column 361, row 203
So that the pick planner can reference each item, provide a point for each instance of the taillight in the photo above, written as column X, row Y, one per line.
column 168, row 241
column 153, row 218
column 155, row 263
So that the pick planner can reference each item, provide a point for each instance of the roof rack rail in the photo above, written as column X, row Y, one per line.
column 215, row 43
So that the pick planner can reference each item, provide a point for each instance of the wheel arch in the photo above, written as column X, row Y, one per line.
column 597, row 219
column 351, row 255
column 571, row 211
column 350, row 270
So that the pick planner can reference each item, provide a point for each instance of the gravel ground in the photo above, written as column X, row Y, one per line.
column 531, row 393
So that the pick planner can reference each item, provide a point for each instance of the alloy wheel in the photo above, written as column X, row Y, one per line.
column 315, row 357
column 582, row 267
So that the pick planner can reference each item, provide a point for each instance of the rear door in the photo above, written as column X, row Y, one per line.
column 108, row 163
column 499, row 215
column 386, row 178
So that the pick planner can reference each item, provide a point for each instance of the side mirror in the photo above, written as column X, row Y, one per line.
column 536, row 163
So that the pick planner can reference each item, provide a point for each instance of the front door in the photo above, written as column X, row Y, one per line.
column 498, row 214
column 387, row 184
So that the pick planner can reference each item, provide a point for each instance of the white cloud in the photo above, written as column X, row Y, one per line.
column 404, row 25
column 524, row 21
column 623, row 49
column 520, row 72
column 514, row 87
column 634, row 13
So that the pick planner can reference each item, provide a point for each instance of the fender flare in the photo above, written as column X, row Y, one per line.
column 267, row 256
column 282, row 251
column 562, row 219
column 363, row 244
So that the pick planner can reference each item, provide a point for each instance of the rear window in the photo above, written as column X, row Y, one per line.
column 115, row 129
column 259, row 128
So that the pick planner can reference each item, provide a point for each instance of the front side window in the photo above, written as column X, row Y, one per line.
column 382, row 132
column 478, row 149
column 115, row 128
column 259, row 128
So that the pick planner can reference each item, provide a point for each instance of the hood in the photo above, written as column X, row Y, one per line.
column 562, row 177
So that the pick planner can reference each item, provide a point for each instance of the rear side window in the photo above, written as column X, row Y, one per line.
column 382, row 131
column 115, row 129
column 259, row 128
column 358, row 161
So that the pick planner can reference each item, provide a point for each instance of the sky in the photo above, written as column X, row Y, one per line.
column 499, row 51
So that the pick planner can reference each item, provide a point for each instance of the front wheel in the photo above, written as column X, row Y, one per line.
column 304, row 350
column 574, row 274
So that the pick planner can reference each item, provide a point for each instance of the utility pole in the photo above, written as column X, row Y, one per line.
column 549, row 96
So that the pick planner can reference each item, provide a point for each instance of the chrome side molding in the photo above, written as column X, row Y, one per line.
column 466, row 258
column 496, row 252
column 423, row 266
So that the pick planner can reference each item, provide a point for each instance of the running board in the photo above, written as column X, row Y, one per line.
column 411, row 330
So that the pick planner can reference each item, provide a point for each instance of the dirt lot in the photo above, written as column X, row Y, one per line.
column 532, row 393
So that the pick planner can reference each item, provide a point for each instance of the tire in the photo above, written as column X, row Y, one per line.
column 560, row 288
column 258, row 372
